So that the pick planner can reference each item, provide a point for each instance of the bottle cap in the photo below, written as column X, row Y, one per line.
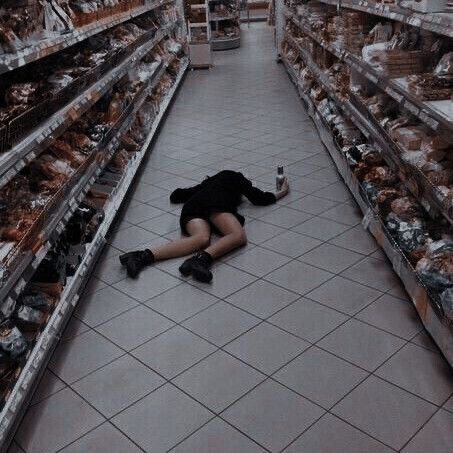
column 280, row 170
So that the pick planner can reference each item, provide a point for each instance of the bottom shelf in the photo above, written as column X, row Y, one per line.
column 226, row 43
column 22, row 392
column 439, row 327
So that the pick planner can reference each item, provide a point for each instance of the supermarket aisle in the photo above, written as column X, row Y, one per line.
column 304, row 342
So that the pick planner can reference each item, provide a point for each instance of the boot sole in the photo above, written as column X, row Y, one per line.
column 124, row 258
column 201, row 277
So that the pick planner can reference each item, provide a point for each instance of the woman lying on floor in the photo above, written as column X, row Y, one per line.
column 213, row 203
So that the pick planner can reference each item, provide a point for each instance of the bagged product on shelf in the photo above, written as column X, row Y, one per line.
column 55, row 19
column 12, row 342
column 436, row 268
column 28, row 318
column 444, row 69
column 409, row 235
column 446, row 300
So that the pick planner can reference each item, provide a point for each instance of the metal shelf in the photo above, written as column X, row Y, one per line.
column 441, row 23
column 49, row 46
column 25, row 264
column 22, row 392
column 428, row 194
column 440, row 328
column 15, row 159
column 436, row 117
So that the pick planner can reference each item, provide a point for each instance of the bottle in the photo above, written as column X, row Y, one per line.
column 280, row 178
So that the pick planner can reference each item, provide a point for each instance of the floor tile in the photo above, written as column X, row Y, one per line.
column 349, row 215
column 262, row 298
column 162, row 419
column 424, row 339
column 344, row 295
column 258, row 261
column 307, row 185
column 320, row 376
column 118, row 385
column 436, row 435
column 299, row 277
column 217, row 436
column 74, row 328
column 322, row 229
column 449, row 404
column 134, row 327
column 221, row 323
column 302, row 169
column 110, row 271
column 393, row 315
column 332, row 435
column 130, row 238
column 173, row 352
column 291, row 244
column 181, row 302
column 309, row 320
column 419, row 371
column 372, row 272
column 163, row 224
column 94, row 283
column 258, row 232
column 101, row 437
column 205, row 381
column 63, row 418
column 356, row 239
column 147, row 192
column 78, row 357
column 150, row 283
column 285, row 217
column 49, row 384
column 361, row 344
column 227, row 280
column 312, row 204
column 98, row 307
column 331, row 258
column 266, row 347
column 384, row 411
column 272, row 415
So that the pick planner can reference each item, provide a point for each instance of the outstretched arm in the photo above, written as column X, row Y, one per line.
column 259, row 197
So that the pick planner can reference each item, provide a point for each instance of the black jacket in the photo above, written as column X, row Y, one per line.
column 219, row 193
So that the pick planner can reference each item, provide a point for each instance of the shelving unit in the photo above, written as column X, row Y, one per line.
column 225, row 24
column 24, row 260
column 306, row 46
column 199, row 31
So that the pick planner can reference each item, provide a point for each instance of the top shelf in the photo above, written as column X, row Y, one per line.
column 41, row 49
column 441, row 23
column 437, row 114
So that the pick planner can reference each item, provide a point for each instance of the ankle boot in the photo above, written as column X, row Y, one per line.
column 136, row 261
column 198, row 266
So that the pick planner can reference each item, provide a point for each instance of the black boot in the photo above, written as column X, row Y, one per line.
column 136, row 261
column 198, row 266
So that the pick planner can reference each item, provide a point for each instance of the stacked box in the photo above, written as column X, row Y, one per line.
column 400, row 63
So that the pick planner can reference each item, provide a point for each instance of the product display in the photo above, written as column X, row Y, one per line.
column 382, row 89
column 75, row 126
column 224, row 17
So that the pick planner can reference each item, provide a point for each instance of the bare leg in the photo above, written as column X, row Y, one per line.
column 199, row 237
column 234, row 234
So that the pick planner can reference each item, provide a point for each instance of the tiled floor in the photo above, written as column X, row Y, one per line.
column 304, row 341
